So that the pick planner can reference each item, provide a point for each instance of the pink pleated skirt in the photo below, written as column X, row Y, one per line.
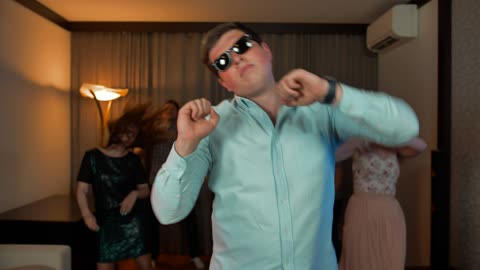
column 374, row 233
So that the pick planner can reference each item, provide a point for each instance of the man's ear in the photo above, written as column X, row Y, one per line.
column 266, row 48
column 225, row 84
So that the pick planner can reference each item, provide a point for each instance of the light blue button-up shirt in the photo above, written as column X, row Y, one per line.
column 274, row 183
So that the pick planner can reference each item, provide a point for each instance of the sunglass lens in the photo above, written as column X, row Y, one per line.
column 222, row 62
column 242, row 45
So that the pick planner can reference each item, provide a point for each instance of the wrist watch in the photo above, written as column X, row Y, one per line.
column 330, row 96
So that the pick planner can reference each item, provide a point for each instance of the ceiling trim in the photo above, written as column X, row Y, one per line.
column 44, row 12
column 175, row 27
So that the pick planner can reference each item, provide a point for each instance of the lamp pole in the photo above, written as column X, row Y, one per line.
column 103, row 118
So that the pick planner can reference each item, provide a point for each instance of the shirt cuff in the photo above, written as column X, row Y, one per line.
column 175, row 163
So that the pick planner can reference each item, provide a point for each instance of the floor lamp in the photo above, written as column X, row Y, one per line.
column 102, row 93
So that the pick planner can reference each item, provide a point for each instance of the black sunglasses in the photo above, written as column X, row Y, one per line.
column 224, row 61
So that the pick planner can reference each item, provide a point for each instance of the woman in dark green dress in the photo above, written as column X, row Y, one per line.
column 119, row 184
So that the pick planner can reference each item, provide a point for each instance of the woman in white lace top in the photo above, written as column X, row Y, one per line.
column 374, row 233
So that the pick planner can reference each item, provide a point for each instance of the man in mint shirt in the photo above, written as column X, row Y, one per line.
column 270, row 155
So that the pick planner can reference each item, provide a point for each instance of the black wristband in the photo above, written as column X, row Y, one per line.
column 332, row 90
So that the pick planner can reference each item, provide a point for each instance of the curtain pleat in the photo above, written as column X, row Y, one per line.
column 156, row 67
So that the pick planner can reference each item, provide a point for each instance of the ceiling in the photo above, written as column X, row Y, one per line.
column 262, row 11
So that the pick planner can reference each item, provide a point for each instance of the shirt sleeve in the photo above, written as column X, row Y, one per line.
column 85, row 173
column 178, row 183
column 374, row 115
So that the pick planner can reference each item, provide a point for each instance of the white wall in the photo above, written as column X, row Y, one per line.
column 410, row 72
column 34, row 107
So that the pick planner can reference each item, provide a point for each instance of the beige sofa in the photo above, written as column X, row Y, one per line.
column 35, row 257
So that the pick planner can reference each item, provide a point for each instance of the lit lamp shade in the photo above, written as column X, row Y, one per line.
column 101, row 92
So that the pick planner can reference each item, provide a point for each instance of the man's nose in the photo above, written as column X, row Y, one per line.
column 237, row 58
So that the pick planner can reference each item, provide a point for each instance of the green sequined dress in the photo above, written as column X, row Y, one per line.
column 112, row 179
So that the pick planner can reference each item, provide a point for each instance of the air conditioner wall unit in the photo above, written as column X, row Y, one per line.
column 395, row 27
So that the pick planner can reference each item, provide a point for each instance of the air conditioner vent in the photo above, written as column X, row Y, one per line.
column 384, row 43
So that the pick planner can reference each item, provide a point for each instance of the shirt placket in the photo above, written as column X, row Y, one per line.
column 283, row 204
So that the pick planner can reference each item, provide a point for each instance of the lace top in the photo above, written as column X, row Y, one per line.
column 376, row 170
